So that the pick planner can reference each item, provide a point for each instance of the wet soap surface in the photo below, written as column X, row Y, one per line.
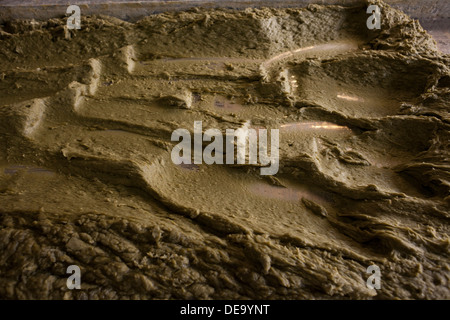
column 86, row 175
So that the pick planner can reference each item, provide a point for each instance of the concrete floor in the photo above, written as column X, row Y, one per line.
column 434, row 15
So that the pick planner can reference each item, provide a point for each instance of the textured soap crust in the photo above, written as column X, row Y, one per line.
column 87, row 179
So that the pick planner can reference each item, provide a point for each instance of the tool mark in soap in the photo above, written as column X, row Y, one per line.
column 191, row 166
column 337, row 46
column 350, row 98
column 292, row 194
column 11, row 170
column 188, row 165
column 226, row 104
column 313, row 126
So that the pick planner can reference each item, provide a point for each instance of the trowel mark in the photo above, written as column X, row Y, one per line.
column 208, row 59
column 349, row 98
column 191, row 166
column 223, row 103
column 292, row 194
column 10, row 170
column 188, row 165
column 321, row 48
column 314, row 126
